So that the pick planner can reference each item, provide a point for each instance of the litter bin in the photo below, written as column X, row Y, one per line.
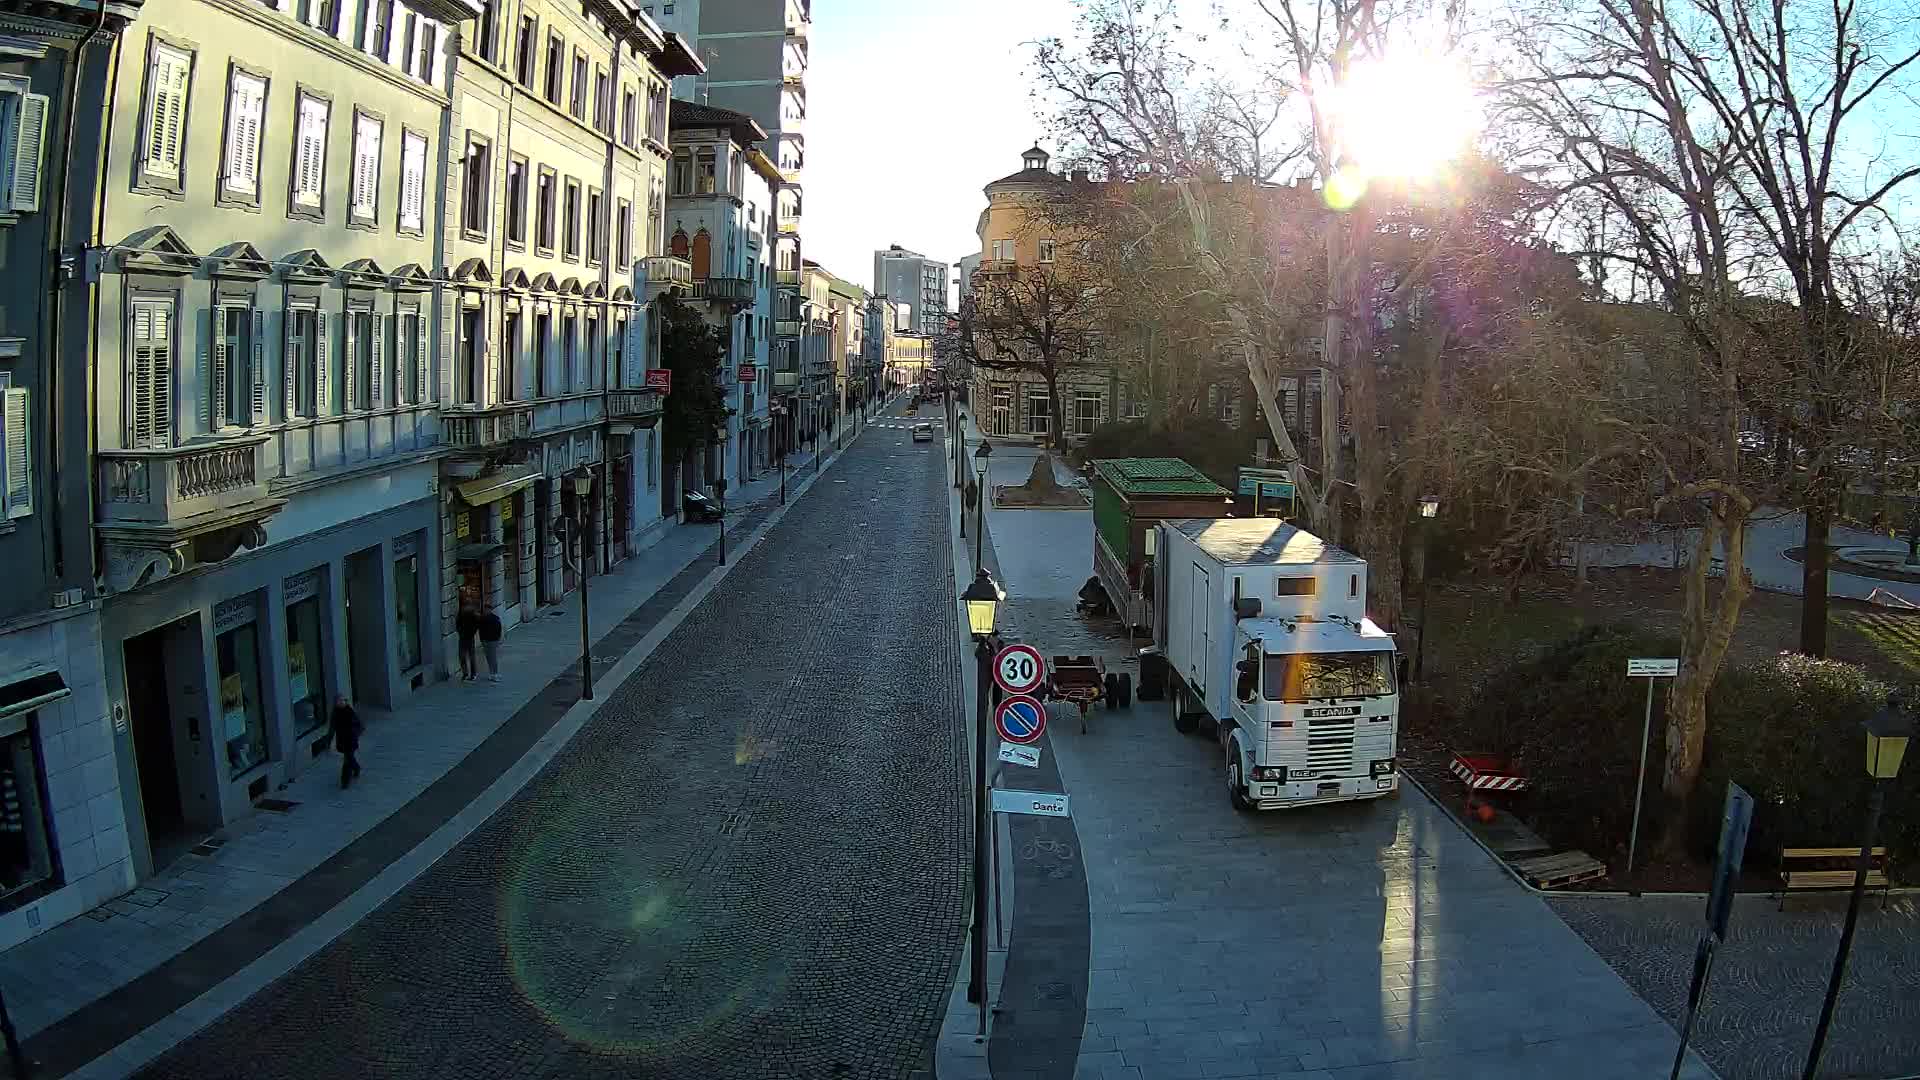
column 1153, row 675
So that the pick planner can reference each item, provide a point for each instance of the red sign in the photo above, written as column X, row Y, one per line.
column 660, row 380
column 1020, row 719
column 1018, row 669
column 749, row 373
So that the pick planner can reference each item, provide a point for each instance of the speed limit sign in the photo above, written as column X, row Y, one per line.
column 1018, row 669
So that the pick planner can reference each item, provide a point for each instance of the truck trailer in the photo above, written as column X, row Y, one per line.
column 1268, row 648
column 1130, row 497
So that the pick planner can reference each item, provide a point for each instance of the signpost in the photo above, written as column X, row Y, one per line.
column 1267, row 483
column 1735, row 817
column 1020, row 719
column 1038, row 803
column 1018, row 669
column 1648, row 669
column 1015, row 754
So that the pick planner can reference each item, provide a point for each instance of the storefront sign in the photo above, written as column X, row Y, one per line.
column 748, row 373
column 302, row 586
column 407, row 546
column 228, row 614
column 660, row 380
column 506, row 509
column 460, row 526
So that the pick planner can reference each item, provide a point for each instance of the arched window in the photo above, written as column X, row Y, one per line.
column 679, row 244
column 702, row 253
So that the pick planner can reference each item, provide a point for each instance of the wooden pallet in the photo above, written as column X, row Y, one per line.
column 1562, row 868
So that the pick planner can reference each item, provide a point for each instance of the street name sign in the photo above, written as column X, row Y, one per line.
column 1015, row 754
column 1020, row 719
column 1653, row 668
column 1038, row 803
column 1018, row 669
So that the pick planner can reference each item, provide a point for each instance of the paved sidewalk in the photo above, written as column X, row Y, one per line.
column 51, row 977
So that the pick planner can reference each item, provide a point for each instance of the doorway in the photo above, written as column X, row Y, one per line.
column 366, row 618
column 156, row 755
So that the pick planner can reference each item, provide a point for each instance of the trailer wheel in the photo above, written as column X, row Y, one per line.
column 1126, row 689
column 1110, row 690
column 1184, row 722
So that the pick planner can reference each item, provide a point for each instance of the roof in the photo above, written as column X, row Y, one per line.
column 1318, row 635
column 1157, row 476
column 691, row 114
column 1026, row 178
column 1260, row 541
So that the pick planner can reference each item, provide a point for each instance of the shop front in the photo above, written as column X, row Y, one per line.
column 224, row 678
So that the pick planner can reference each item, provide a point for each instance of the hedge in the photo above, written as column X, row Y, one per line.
column 1789, row 730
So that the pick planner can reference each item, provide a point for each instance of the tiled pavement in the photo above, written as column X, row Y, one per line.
column 1368, row 941
column 56, row 976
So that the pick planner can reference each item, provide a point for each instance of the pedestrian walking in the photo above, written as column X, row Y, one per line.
column 490, row 641
column 346, row 739
column 467, row 625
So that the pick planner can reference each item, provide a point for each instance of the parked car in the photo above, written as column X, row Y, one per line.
column 923, row 433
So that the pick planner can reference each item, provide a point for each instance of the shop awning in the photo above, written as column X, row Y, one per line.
column 25, row 695
column 478, row 552
column 493, row 488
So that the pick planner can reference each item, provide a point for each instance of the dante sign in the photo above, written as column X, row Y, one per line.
column 1041, row 803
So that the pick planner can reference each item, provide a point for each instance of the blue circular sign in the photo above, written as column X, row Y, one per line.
column 1021, row 719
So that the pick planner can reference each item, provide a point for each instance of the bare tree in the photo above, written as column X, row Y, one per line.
column 1039, row 320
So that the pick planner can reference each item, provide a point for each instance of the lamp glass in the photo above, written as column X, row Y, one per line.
column 986, row 448
column 1429, row 506
column 1886, row 744
column 583, row 483
column 983, row 601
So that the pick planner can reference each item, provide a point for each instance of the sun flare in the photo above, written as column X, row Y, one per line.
column 1404, row 116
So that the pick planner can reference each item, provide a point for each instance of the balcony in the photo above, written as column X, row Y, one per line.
column 788, row 327
column 790, row 278
column 666, row 273
column 799, row 29
column 785, row 381
column 485, row 429
column 164, row 511
column 790, row 226
column 737, row 292
column 995, row 266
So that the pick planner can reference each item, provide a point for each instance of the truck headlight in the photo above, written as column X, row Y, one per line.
column 1270, row 774
column 1383, row 767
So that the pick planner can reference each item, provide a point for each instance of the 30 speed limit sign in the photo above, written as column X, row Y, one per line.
column 1018, row 669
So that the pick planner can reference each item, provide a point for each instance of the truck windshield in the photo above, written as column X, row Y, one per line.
column 1306, row 676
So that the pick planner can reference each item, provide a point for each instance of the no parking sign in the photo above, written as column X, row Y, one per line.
column 1020, row 719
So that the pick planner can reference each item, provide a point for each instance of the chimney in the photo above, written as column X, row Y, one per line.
column 1081, row 176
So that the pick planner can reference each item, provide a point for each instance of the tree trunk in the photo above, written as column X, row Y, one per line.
column 1706, row 631
column 1057, row 423
column 1813, row 571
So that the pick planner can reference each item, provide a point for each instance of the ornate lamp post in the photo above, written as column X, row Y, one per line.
column 982, row 599
column 1429, row 509
column 980, row 457
column 582, row 482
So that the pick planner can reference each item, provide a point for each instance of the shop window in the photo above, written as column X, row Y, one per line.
column 25, row 858
column 306, row 665
column 406, row 609
column 243, row 724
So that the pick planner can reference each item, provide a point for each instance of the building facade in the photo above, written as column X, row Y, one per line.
column 849, row 330
column 63, row 830
column 555, row 196
column 1014, row 236
column 720, row 196
column 264, row 369
column 920, row 283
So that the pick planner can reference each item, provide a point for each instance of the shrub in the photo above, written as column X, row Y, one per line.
column 1788, row 730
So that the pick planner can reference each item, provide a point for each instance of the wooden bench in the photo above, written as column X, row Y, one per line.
column 1821, row 868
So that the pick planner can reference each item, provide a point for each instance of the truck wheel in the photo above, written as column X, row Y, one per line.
column 1110, row 690
column 1126, row 689
column 1184, row 722
column 1237, row 791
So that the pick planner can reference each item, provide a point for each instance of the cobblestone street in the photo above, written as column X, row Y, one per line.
column 749, row 863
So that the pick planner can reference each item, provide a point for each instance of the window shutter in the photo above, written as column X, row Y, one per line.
column 204, row 373
column 377, row 366
column 218, row 400
column 289, row 372
column 366, row 165
column 322, row 369
column 350, row 370
column 16, row 423
column 257, row 390
column 419, row 359
column 166, row 114
column 148, row 414
column 313, row 144
column 245, row 101
column 26, row 152
column 483, row 355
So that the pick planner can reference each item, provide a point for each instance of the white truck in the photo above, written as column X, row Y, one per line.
column 1267, row 646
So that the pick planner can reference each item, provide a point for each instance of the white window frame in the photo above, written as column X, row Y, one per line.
column 363, row 201
column 1046, row 251
column 1037, row 423
column 16, row 450
column 1003, row 250
column 307, row 179
column 413, row 182
column 241, row 149
column 165, row 107
column 1082, row 423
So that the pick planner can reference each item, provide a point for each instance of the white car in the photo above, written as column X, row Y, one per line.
column 923, row 433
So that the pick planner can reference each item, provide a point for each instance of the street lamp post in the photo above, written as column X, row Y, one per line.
column 980, row 456
column 720, row 491
column 582, row 485
column 969, row 499
column 1429, row 509
column 1887, row 735
column 780, row 420
column 959, row 442
column 982, row 599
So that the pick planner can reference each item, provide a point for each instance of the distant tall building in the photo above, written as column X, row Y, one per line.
column 913, row 279
column 964, row 271
column 755, row 53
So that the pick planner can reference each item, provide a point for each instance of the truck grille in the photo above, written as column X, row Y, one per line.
column 1330, row 744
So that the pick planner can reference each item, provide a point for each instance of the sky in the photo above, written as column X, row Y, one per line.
column 912, row 107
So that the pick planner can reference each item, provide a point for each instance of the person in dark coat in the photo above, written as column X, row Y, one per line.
column 346, row 738
column 490, row 641
column 467, row 624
